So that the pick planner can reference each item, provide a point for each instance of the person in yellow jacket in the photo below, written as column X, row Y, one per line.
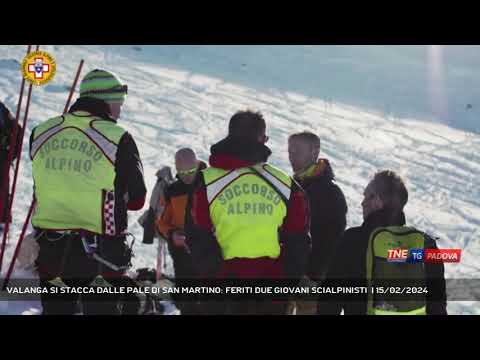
column 87, row 174
column 246, row 219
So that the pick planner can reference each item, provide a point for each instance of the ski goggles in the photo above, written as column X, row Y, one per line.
column 187, row 172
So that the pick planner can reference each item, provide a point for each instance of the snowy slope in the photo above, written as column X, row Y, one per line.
column 184, row 96
column 428, row 82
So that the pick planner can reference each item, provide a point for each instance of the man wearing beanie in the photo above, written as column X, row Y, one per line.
column 87, row 174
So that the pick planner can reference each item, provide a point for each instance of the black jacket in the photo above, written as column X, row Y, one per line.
column 7, row 122
column 178, row 187
column 175, row 194
column 129, row 179
column 328, row 211
column 349, row 268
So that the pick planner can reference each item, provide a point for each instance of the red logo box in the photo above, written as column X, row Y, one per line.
column 442, row 255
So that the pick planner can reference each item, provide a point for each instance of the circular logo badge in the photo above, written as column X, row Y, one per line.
column 38, row 67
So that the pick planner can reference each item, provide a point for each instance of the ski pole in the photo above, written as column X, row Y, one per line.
column 13, row 143
column 72, row 89
column 17, row 164
column 17, row 249
column 160, row 258
column 32, row 206
column 22, row 137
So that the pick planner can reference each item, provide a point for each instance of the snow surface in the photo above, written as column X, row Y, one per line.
column 374, row 107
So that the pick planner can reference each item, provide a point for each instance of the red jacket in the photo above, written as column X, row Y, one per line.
column 295, row 242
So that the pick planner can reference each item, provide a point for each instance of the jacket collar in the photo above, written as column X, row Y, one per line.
column 93, row 107
column 321, row 169
column 233, row 153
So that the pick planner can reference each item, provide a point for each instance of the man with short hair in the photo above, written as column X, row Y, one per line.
column 384, row 200
column 247, row 219
column 328, row 207
column 171, row 222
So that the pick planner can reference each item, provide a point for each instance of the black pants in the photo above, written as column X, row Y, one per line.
column 64, row 257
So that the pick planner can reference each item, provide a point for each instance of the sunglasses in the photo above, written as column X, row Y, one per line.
column 187, row 172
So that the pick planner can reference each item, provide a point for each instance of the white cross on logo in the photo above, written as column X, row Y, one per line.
column 39, row 68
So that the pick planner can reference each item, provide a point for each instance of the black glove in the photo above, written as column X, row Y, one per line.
column 149, row 227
